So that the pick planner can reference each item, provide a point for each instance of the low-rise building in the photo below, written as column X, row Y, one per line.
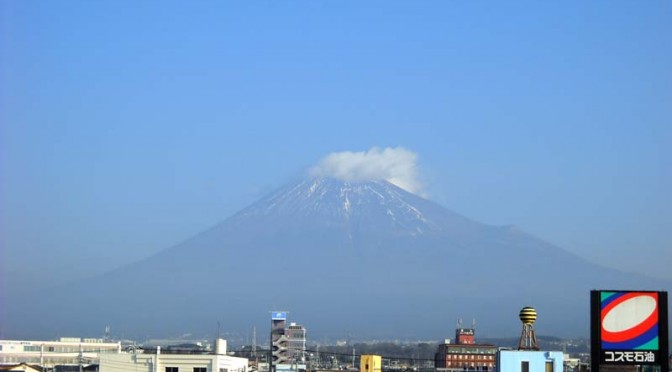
column 465, row 353
column 529, row 361
column 66, row 351
column 160, row 361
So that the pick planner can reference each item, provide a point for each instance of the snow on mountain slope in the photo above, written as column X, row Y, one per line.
column 365, row 206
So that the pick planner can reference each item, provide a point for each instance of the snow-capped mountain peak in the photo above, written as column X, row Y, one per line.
column 357, row 205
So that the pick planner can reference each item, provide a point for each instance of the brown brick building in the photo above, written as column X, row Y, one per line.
column 465, row 354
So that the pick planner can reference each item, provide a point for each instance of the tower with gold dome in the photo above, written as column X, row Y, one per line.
column 528, row 339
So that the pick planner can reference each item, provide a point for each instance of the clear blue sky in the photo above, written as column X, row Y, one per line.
column 126, row 127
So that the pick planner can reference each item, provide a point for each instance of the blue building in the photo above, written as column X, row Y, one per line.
column 529, row 361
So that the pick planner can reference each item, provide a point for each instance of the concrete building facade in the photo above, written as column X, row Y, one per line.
column 66, row 351
column 174, row 362
column 296, row 343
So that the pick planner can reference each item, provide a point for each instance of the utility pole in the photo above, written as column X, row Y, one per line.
column 254, row 346
column 254, row 342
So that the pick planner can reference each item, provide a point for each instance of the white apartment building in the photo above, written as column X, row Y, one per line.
column 52, row 353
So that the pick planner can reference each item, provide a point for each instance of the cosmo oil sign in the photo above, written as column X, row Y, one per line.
column 629, row 328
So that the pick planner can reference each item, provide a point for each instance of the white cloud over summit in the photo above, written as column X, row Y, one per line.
column 393, row 164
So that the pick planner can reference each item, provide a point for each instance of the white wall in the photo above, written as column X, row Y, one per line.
column 184, row 362
column 232, row 364
column 38, row 352
column 127, row 362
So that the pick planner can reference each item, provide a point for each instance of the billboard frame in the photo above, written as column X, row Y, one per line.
column 628, row 356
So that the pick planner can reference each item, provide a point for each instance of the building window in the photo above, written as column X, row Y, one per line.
column 172, row 369
column 549, row 366
column 31, row 348
column 524, row 366
column 200, row 369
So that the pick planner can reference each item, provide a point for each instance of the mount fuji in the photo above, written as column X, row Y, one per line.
column 364, row 258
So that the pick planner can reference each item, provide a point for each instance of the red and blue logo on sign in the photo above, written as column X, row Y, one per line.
column 629, row 320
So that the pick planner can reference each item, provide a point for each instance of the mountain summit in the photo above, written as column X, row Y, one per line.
column 365, row 257
column 358, row 208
